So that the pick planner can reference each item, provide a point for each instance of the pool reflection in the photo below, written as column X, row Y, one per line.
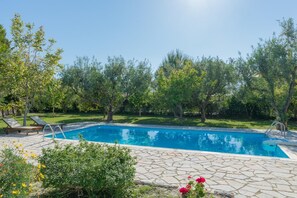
column 215, row 141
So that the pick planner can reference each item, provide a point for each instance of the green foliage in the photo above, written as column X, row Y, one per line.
column 218, row 78
column 4, row 47
column 33, row 62
column 194, row 189
column 4, row 42
column 137, row 84
column 30, row 78
column 149, row 191
column 89, row 168
column 271, row 69
column 176, row 90
column 107, row 88
column 4, row 59
column 181, row 83
column 16, row 175
column 114, row 72
column 51, row 98
column 83, row 83
column 174, row 60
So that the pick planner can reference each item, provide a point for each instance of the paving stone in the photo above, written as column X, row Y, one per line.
column 273, row 193
column 248, row 173
column 245, row 193
column 223, row 187
column 283, row 188
column 285, row 175
column 241, row 196
column 252, row 189
column 262, row 195
column 234, row 184
column 243, row 176
column 170, row 180
column 289, row 194
column 261, row 187
column 278, row 181
column 141, row 170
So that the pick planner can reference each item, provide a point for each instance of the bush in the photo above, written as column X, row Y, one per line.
column 90, row 169
column 16, row 175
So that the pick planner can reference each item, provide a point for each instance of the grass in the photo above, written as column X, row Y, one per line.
column 157, row 120
column 143, row 191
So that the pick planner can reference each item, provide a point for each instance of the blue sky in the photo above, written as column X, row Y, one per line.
column 149, row 29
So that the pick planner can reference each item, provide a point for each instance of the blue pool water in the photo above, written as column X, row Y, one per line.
column 202, row 140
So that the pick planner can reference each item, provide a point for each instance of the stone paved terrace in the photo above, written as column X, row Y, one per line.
column 244, row 176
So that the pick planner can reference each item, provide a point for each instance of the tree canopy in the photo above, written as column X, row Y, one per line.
column 271, row 69
column 32, row 62
column 261, row 84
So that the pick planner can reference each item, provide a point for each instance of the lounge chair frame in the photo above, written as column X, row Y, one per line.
column 39, row 122
column 14, row 126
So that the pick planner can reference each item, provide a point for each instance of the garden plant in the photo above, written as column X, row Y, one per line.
column 89, row 169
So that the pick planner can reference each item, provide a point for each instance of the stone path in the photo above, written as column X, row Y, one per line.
column 245, row 176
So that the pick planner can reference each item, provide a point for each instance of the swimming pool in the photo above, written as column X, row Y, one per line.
column 222, row 141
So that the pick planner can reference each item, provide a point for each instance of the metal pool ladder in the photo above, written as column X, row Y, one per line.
column 53, row 130
column 282, row 128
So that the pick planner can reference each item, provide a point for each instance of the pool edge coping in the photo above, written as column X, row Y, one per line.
column 291, row 156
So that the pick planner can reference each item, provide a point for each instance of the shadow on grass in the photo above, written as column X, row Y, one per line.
column 158, row 120
column 179, row 122
column 153, row 120
column 74, row 120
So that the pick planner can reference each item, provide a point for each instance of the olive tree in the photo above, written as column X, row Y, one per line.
column 83, row 80
column 271, row 69
column 217, row 80
column 113, row 97
column 137, row 84
column 176, row 90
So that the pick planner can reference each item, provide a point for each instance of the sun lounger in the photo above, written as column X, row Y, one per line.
column 39, row 122
column 13, row 126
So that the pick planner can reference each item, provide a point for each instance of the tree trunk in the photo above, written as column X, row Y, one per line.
column 180, row 111
column 26, row 111
column 174, row 113
column 109, row 114
column 281, row 117
column 13, row 111
column 19, row 112
column 139, row 112
column 203, row 112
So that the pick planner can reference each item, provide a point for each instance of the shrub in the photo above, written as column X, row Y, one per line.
column 89, row 168
column 16, row 175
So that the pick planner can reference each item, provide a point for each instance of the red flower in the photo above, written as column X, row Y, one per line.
column 183, row 190
column 200, row 180
column 1, row 164
column 189, row 177
column 189, row 186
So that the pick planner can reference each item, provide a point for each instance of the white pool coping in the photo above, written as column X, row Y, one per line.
column 288, row 152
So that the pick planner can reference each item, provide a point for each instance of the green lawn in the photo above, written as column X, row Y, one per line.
column 158, row 120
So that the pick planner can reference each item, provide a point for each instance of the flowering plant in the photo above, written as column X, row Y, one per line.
column 194, row 188
column 16, row 174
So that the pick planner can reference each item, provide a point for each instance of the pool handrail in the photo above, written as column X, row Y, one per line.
column 274, row 124
column 53, row 130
